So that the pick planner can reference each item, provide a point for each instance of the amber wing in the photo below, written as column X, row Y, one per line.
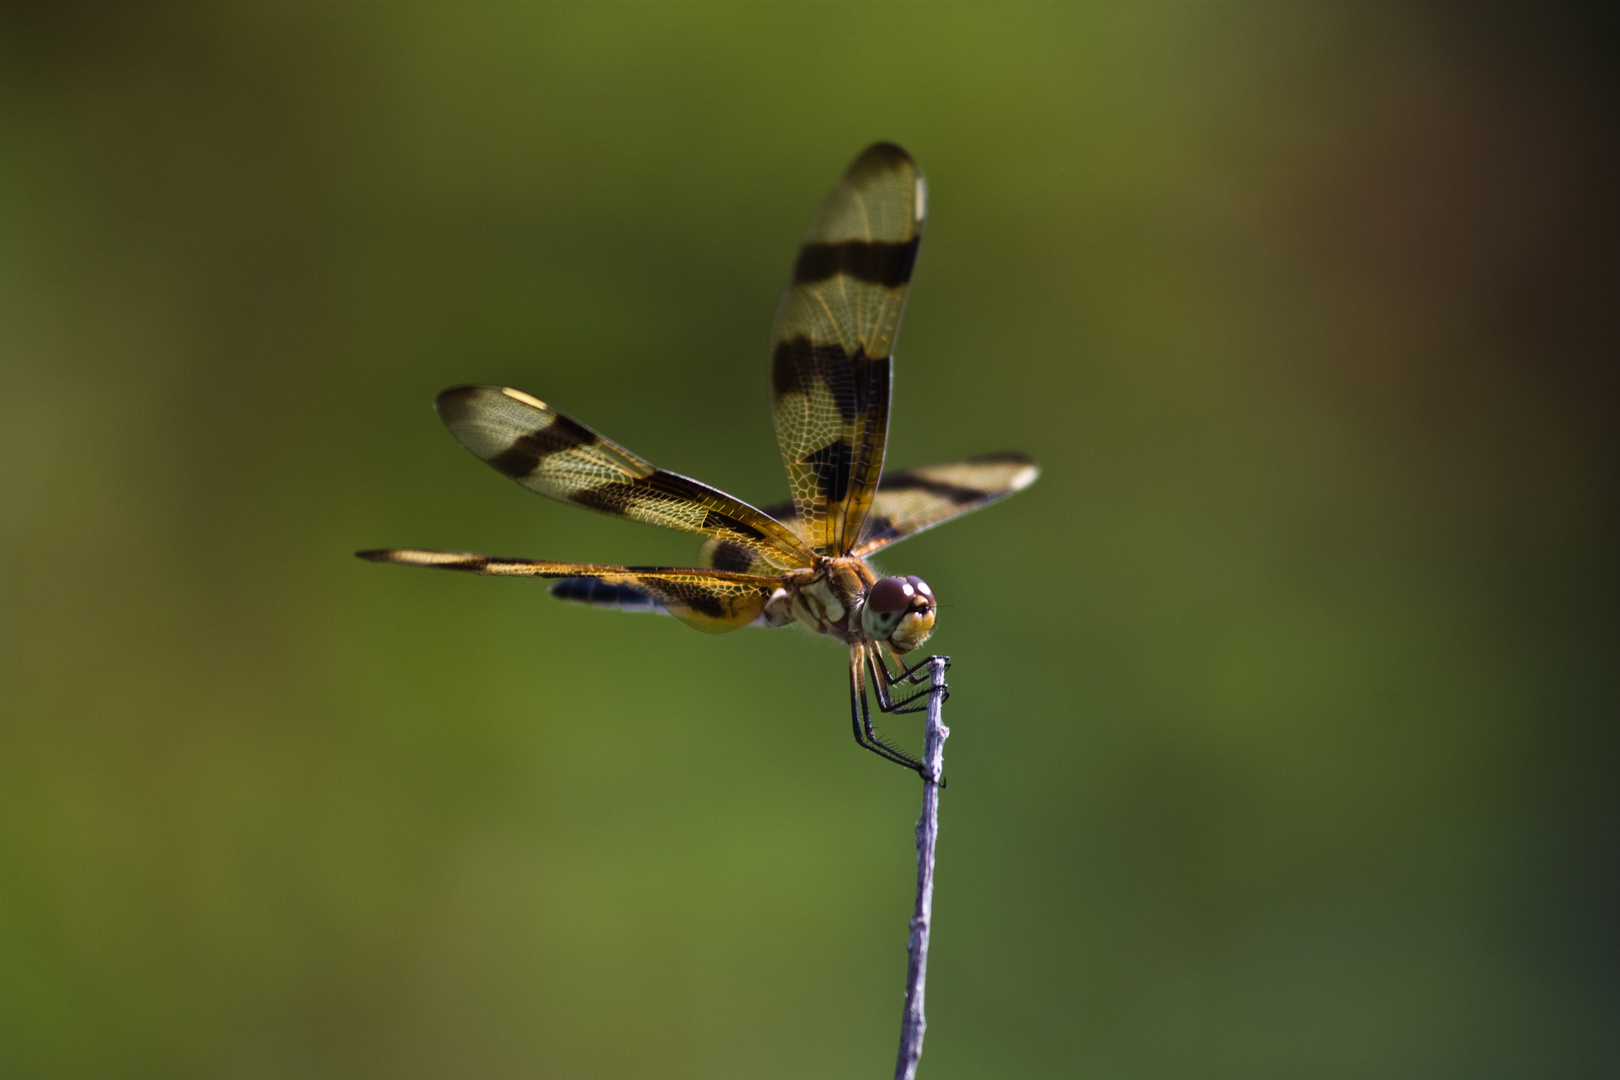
column 524, row 438
column 833, row 338
column 912, row 500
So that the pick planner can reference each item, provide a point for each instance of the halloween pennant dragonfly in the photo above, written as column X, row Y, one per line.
column 802, row 562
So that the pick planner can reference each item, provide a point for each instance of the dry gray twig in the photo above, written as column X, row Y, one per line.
column 914, row 1024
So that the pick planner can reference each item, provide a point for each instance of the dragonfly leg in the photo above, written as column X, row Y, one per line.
column 861, row 718
column 913, row 673
column 882, row 680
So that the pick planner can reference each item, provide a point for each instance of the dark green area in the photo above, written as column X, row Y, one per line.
column 1285, row 702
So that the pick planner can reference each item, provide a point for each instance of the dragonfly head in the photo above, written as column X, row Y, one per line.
column 899, row 611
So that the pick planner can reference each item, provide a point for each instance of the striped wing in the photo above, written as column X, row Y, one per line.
column 832, row 340
column 544, row 451
column 909, row 501
column 912, row 500
column 710, row 600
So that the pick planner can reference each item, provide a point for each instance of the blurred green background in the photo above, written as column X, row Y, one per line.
column 1284, row 713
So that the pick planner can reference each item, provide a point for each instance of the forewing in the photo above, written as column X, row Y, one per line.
column 524, row 438
column 724, row 555
column 912, row 500
column 832, row 341
column 710, row 600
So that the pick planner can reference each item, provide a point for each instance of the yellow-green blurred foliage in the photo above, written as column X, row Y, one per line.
column 1284, row 703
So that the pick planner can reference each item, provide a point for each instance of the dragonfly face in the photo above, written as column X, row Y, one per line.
column 802, row 561
column 900, row 612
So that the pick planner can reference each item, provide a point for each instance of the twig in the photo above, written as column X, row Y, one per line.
column 914, row 1024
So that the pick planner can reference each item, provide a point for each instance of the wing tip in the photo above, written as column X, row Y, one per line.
column 882, row 160
column 454, row 560
column 374, row 555
column 1026, row 473
column 456, row 398
column 452, row 404
column 882, row 155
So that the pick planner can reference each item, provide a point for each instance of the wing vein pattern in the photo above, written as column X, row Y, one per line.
column 833, row 339
column 524, row 438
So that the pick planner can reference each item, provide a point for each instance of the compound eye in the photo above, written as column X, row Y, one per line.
column 890, row 594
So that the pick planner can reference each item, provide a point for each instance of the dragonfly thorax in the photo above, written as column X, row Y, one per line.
column 846, row 600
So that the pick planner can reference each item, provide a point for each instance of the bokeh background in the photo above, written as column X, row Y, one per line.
column 1284, row 713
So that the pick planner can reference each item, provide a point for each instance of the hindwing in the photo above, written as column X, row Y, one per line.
column 710, row 600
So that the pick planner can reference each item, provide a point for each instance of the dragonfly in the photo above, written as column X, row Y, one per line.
column 802, row 562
